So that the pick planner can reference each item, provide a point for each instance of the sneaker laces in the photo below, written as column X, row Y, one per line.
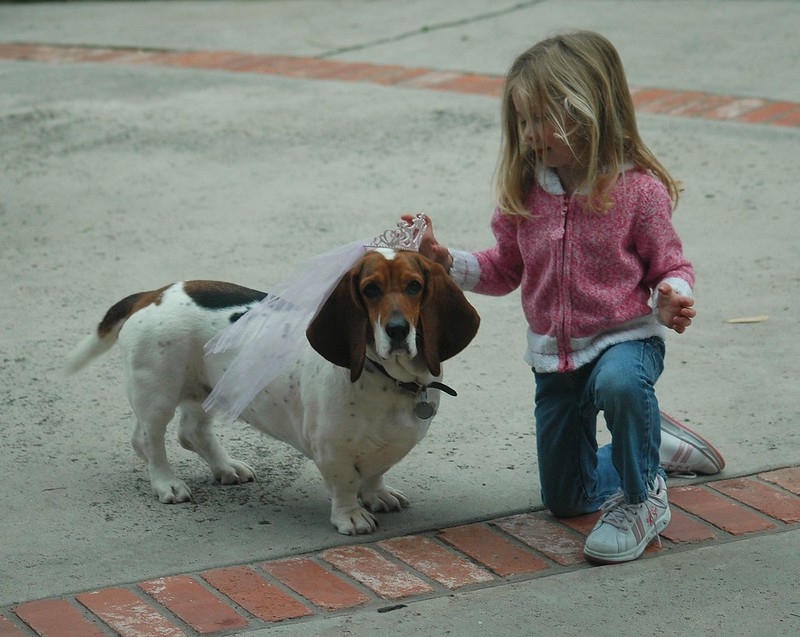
column 622, row 515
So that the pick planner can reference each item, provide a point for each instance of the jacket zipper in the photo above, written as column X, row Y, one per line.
column 563, row 355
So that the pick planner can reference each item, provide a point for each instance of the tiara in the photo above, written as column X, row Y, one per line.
column 407, row 236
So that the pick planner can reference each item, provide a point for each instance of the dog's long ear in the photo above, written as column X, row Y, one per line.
column 448, row 320
column 339, row 330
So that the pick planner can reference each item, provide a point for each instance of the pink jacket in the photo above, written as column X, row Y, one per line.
column 588, row 280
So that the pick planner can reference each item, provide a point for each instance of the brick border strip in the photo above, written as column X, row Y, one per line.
column 383, row 575
column 751, row 110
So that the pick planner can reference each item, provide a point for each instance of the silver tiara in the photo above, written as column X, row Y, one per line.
column 407, row 236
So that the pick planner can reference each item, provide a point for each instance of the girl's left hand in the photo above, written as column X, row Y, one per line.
column 675, row 310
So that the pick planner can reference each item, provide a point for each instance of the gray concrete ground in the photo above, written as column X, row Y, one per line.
column 116, row 179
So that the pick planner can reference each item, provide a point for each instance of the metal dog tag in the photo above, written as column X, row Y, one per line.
column 423, row 408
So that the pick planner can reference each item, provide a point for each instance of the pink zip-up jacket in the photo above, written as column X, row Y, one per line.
column 588, row 280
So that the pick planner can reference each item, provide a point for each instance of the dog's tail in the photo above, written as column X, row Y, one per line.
column 104, row 337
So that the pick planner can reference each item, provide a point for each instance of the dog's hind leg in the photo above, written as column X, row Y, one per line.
column 148, row 441
column 196, row 434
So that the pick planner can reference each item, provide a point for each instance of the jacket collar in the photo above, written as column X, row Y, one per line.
column 550, row 182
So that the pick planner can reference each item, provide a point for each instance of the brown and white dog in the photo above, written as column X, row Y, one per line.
column 391, row 321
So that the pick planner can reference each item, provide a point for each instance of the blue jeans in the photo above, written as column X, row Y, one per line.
column 575, row 475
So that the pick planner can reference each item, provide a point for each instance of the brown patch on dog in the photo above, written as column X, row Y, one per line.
column 126, row 307
column 218, row 295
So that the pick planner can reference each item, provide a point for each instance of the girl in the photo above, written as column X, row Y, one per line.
column 583, row 225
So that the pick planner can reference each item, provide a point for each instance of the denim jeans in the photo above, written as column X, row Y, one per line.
column 577, row 477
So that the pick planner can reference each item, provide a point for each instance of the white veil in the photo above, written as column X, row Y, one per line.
column 271, row 334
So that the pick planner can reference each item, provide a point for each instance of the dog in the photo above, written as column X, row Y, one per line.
column 360, row 396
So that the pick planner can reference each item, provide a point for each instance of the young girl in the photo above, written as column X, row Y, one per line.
column 583, row 225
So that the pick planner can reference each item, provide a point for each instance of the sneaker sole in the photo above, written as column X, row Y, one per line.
column 634, row 553
column 680, row 431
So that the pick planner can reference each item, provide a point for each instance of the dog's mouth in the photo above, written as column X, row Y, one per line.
column 401, row 365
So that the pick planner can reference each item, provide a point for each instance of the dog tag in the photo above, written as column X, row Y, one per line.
column 423, row 408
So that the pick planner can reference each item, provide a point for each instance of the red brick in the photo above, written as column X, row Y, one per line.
column 437, row 562
column 543, row 534
column 337, row 70
column 194, row 604
column 308, row 68
column 682, row 529
column 128, row 614
column 788, row 478
column 645, row 95
column 582, row 523
column 736, row 108
column 267, row 64
column 769, row 111
column 56, row 618
column 198, row 59
column 255, row 594
column 230, row 61
column 492, row 550
column 671, row 101
column 722, row 513
column 474, row 84
column 374, row 571
column 431, row 79
column 399, row 75
column 776, row 504
column 702, row 105
column 312, row 581
column 793, row 119
column 362, row 72
column 7, row 629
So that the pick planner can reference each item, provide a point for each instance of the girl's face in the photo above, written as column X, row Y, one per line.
column 542, row 137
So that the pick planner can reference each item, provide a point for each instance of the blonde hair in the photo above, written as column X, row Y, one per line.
column 576, row 82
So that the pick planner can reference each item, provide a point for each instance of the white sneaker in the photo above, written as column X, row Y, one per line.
column 684, row 452
column 624, row 530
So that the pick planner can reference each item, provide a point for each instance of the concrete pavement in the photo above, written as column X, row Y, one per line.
column 123, row 175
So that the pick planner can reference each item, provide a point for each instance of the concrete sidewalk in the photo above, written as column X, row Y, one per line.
column 150, row 142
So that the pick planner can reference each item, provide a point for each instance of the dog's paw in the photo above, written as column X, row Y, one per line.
column 386, row 499
column 356, row 521
column 171, row 491
column 234, row 472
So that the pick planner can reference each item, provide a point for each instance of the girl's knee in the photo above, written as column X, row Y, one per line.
column 616, row 384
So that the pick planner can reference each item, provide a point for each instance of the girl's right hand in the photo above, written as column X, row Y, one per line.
column 429, row 246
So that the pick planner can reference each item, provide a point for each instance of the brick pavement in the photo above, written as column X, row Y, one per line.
column 383, row 575
column 745, row 109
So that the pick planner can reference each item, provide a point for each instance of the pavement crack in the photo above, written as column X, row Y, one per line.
column 430, row 28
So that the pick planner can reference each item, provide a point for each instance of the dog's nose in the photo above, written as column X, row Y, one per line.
column 397, row 330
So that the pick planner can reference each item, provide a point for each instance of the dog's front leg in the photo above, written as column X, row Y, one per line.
column 347, row 515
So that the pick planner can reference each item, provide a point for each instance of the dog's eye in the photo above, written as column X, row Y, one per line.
column 372, row 291
column 413, row 288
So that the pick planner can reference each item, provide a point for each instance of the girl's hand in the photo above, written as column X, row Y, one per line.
column 675, row 310
column 430, row 247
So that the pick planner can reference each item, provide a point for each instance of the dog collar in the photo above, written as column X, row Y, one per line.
column 413, row 386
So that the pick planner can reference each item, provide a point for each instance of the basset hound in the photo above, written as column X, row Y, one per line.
column 360, row 397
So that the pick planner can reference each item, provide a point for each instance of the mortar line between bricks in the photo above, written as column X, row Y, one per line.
column 378, row 602
column 669, row 102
